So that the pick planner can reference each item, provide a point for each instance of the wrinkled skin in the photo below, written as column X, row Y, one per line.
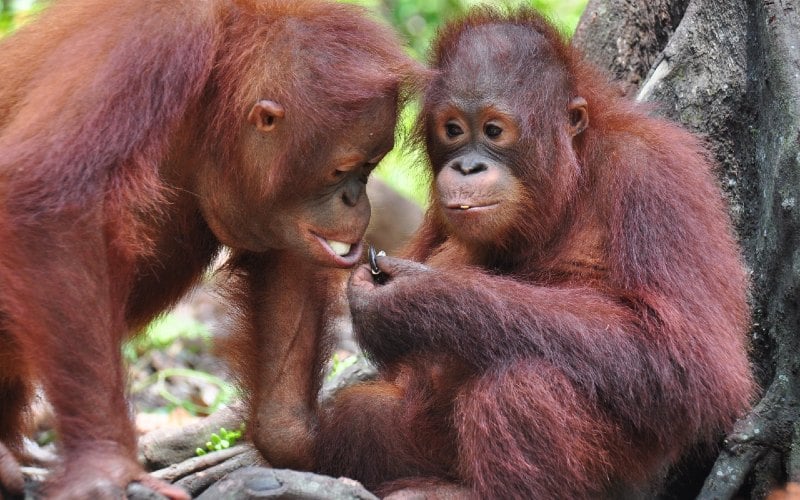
column 329, row 205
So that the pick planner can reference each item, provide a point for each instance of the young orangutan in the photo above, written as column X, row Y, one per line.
column 578, row 317
column 137, row 138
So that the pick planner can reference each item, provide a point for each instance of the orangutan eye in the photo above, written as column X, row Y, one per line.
column 453, row 130
column 492, row 131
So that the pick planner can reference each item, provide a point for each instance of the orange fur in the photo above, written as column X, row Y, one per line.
column 591, row 330
column 127, row 160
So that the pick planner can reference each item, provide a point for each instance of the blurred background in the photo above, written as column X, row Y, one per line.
column 173, row 377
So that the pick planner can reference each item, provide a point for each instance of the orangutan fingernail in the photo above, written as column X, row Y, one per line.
column 377, row 275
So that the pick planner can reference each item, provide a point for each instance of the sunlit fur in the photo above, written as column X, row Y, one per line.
column 588, row 351
column 108, row 110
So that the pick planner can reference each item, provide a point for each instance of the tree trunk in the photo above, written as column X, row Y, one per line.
column 730, row 70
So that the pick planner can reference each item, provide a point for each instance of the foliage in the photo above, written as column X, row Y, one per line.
column 339, row 364
column 162, row 332
column 225, row 395
column 403, row 168
column 418, row 20
column 16, row 12
column 220, row 441
column 160, row 335
column 6, row 22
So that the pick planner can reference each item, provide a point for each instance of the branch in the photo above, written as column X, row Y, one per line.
column 177, row 471
column 741, row 451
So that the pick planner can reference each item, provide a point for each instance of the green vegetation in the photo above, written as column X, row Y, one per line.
column 14, row 13
column 162, row 332
column 404, row 167
column 224, row 396
column 339, row 364
column 194, row 337
column 418, row 20
column 221, row 440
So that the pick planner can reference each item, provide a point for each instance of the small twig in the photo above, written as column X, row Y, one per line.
column 179, row 470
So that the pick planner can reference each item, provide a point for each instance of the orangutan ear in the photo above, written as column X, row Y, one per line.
column 265, row 115
column 578, row 110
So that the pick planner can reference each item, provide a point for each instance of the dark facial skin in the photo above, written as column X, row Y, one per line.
column 474, row 185
column 486, row 177
column 320, row 213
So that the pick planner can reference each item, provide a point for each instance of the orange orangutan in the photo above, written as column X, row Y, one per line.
column 137, row 138
column 572, row 317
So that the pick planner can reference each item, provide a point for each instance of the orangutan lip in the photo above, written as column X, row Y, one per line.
column 341, row 256
column 468, row 206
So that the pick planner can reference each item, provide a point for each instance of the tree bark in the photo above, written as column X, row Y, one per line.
column 625, row 36
column 730, row 70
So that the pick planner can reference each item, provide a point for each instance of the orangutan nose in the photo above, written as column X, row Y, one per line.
column 352, row 193
column 470, row 165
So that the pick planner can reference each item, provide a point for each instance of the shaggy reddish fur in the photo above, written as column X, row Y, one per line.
column 126, row 159
column 599, row 337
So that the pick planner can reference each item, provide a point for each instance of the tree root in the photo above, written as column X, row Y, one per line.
column 194, row 465
column 769, row 426
column 162, row 448
column 204, row 474
column 259, row 482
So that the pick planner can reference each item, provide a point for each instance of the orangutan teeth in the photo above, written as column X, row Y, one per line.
column 339, row 248
column 464, row 207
